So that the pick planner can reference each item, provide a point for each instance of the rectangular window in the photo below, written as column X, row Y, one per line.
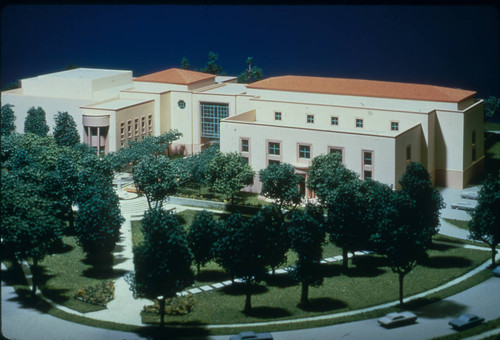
column 273, row 148
column 394, row 126
column 359, row 123
column 310, row 118
column 272, row 161
column 143, row 125
column 122, row 131
column 338, row 151
column 244, row 145
column 136, row 126
column 211, row 114
column 129, row 129
column 305, row 151
column 367, row 174
column 150, row 124
column 367, row 167
column 367, row 157
column 335, row 120
column 245, row 160
column 277, row 116
column 408, row 153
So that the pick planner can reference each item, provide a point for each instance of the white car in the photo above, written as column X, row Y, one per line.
column 397, row 319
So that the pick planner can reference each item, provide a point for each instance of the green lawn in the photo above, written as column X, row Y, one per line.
column 458, row 223
column 244, row 198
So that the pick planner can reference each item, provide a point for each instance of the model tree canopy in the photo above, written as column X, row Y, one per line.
column 251, row 74
column 227, row 174
column 202, row 235
column 163, row 260
column 211, row 66
column 35, row 122
column 65, row 131
column 7, row 120
column 485, row 223
column 155, row 177
column 281, row 183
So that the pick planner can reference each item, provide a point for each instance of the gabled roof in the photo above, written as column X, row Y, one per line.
column 364, row 88
column 175, row 76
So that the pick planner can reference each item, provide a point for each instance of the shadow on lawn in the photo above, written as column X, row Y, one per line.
column 241, row 289
column 325, row 304
column 440, row 246
column 435, row 308
column 367, row 266
column 265, row 312
column 447, row 262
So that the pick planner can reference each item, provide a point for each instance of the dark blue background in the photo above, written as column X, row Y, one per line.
column 455, row 46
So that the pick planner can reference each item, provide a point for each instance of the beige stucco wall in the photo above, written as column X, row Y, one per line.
column 384, row 167
column 413, row 139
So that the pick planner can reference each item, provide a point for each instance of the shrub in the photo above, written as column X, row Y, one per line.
column 179, row 305
column 99, row 294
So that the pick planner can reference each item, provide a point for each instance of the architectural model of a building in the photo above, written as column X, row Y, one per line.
column 377, row 127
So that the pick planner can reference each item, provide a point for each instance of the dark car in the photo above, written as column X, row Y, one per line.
column 397, row 319
column 496, row 271
column 252, row 336
column 465, row 321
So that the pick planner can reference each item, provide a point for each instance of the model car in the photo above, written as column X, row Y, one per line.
column 252, row 336
column 397, row 319
column 465, row 321
column 496, row 271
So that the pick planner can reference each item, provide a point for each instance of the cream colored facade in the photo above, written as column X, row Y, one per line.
column 378, row 127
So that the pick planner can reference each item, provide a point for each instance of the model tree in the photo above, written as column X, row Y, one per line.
column 491, row 107
column 417, row 184
column 7, row 120
column 212, row 66
column 162, row 261
column 326, row 173
column 251, row 74
column 35, row 122
column 274, row 241
column 202, row 235
column 485, row 223
column 29, row 229
column 191, row 171
column 62, row 186
column 307, row 235
column 281, row 183
column 345, row 222
column 155, row 177
column 400, row 237
column 185, row 63
column 227, row 174
column 65, row 131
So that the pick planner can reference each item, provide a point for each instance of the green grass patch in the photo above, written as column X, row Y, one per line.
column 491, row 126
column 241, row 198
column 458, row 223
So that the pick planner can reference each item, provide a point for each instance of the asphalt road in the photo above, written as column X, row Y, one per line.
column 21, row 322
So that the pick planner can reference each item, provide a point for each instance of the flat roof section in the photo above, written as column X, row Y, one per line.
column 115, row 104
column 364, row 88
column 175, row 76
column 85, row 73
column 228, row 88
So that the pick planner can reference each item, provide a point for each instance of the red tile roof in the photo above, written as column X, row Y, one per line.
column 175, row 76
column 365, row 88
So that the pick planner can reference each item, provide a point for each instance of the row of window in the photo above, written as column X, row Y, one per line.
column 335, row 121
column 304, row 152
column 129, row 131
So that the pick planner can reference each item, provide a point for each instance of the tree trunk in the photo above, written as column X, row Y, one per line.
column 401, row 278
column 353, row 258
column 345, row 260
column 198, row 268
column 273, row 270
column 162, row 312
column 248, row 298
column 304, row 296
column 493, row 255
column 34, row 277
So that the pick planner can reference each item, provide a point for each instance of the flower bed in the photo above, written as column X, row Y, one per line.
column 179, row 305
column 99, row 294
